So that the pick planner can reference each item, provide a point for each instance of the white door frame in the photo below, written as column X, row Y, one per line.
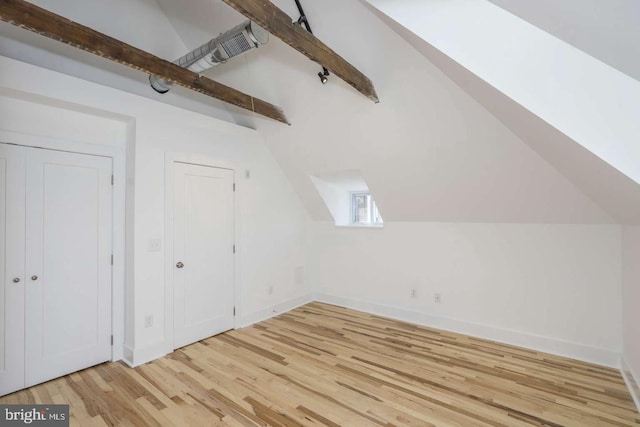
column 200, row 160
column 118, row 158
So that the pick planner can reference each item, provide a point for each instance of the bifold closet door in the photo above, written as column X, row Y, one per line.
column 202, row 252
column 68, row 263
column 12, row 194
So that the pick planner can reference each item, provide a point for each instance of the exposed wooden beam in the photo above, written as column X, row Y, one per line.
column 48, row 24
column 278, row 23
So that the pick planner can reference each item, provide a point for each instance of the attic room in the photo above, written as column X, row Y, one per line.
column 303, row 213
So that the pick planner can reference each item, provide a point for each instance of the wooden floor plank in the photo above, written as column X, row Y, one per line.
column 322, row 365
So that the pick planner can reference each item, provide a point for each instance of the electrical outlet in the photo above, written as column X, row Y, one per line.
column 437, row 298
column 247, row 174
column 414, row 293
column 270, row 290
column 148, row 321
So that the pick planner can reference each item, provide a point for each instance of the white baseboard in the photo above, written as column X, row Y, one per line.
column 632, row 381
column 555, row 346
column 269, row 312
column 136, row 357
column 127, row 355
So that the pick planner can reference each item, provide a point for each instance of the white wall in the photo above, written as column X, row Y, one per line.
column 334, row 198
column 631, row 309
column 267, row 210
column 270, row 244
column 551, row 287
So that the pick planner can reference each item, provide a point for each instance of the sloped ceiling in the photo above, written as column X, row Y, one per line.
column 607, row 30
column 429, row 151
column 599, row 150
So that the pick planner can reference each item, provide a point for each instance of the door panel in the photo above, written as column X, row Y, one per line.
column 203, row 242
column 12, row 200
column 68, row 246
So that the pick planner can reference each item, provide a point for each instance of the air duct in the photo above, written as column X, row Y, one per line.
column 219, row 50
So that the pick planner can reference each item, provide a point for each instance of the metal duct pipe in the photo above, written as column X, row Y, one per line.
column 219, row 50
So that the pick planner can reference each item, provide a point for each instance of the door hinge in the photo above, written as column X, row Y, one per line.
column 111, row 259
column 234, row 310
column 112, row 180
column 234, row 186
column 111, row 339
column 234, row 249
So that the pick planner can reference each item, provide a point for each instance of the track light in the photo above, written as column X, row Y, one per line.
column 324, row 74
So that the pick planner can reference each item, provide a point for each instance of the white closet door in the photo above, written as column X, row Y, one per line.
column 68, row 263
column 202, row 252
column 12, row 194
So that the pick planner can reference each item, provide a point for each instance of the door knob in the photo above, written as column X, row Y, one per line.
column 179, row 265
column 34, row 277
column 16, row 280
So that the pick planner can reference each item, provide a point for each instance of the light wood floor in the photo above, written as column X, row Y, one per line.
column 324, row 365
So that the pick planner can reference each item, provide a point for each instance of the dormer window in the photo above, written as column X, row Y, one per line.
column 364, row 210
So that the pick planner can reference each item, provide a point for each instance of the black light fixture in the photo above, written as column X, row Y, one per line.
column 324, row 74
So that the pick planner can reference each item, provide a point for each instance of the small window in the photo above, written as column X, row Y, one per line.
column 364, row 210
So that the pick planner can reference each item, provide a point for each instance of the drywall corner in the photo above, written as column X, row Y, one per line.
column 632, row 381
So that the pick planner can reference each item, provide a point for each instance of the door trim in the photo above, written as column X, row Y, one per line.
column 118, row 159
column 199, row 160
